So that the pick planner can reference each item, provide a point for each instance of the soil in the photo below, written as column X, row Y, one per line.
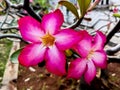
column 38, row 78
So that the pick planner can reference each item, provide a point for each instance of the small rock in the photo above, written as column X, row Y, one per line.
column 113, row 74
column 32, row 69
column 28, row 89
column 26, row 80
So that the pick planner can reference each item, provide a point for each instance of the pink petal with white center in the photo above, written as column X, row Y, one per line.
column 30, row 29
column 66, row 38
column 53, row 21
column 85, row 45
column 55, row 61
column 100, row 59
column 32, row 54
column 90, row 72
column 99, row 41
column 77, row 68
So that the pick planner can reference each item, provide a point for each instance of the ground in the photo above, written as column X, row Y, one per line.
column 37, row 78
column 5, row 46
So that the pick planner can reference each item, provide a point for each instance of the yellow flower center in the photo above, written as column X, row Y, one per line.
column 90, row 54
column 48, row 40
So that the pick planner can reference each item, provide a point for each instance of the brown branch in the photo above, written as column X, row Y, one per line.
column 9, row 28
column 113, row 31
column 113, row 50
column 76, row 24
column 113, row 60
column 15, row 6
column 12, row 36
column 28, row 8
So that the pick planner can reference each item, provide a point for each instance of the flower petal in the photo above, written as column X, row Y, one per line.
column 85, row 45
column 100, row 59
column 99, row 41
column 90, row 72
column 77, row 68
column 53, row 21
column 32, row 54
column 66, row 38
column 30, row 29
column 55, row 61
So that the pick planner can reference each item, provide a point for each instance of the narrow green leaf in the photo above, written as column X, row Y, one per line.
column 70, row 7
column 83, row 4
column 87, row 4
column 14, row 56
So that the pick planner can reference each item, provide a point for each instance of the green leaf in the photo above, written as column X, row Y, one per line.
column 83, row 4
column 70, row 7
column 14, row 56
column 116, row 15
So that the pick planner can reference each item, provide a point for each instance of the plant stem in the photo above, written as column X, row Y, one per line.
column 113, row 31
column 28, row 8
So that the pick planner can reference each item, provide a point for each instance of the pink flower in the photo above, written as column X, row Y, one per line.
column 47, row 41
column 31, row 1
column 115, row 10
column 92, row 55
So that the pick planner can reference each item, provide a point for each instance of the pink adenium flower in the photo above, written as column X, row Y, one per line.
column 92, row 55
column 47, row 41
column 31, row 1
column 115, row 10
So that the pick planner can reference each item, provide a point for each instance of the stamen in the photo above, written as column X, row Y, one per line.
column 90, row 54
column 48, row 40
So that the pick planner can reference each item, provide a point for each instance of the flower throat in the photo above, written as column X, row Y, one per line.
column 48, row 40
